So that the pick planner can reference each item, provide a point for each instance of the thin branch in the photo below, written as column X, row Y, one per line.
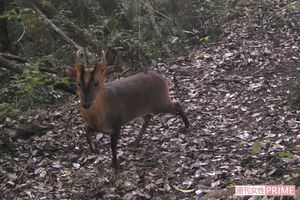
column 55, row 28
column 24, row 31
column 84, row 56
column 24, row 169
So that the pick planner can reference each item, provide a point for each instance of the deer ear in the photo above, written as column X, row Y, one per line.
column 100, row 66
column 70, row 72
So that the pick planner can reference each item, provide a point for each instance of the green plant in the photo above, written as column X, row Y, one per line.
column 28, row 90
column 8, row 110
column 31, row 88
column 243, row 144
column 256, row 148
column 285, row 154
column 10, row 15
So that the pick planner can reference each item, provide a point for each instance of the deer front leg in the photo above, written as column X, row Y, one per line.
column 113, row 144
column 89, row 135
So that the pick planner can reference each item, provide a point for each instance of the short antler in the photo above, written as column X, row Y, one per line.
column 77, row 59
column 85, row 55
column 103, row 58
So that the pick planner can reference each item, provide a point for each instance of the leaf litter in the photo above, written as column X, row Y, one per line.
column 244, row 130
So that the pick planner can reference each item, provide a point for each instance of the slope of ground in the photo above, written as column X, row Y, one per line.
column 237, row 94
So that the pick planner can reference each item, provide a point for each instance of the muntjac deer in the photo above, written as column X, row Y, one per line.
column 105, row 107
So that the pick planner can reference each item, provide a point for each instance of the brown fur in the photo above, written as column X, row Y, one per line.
column 111, row 105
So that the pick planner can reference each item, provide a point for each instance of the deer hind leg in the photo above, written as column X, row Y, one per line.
column 113, row 144
column 176, row 108
column 146, row 119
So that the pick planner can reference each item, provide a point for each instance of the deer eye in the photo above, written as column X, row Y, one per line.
column 78, row 84
column 96, row 84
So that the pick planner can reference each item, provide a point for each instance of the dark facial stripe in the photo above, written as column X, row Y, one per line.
column 89, row 85
column 86, row 80
column 82, row 71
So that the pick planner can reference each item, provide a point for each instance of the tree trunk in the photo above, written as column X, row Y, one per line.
column 4, row 39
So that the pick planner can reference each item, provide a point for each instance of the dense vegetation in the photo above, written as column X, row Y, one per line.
column 39, row 38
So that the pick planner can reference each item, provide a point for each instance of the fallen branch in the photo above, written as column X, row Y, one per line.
column 19, row 68
column 7, row 64
column 81, row 35
column 13, row 57
column 55, row 28
column 71, row 28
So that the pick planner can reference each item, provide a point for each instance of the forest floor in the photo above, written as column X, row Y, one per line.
column 239, row 94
